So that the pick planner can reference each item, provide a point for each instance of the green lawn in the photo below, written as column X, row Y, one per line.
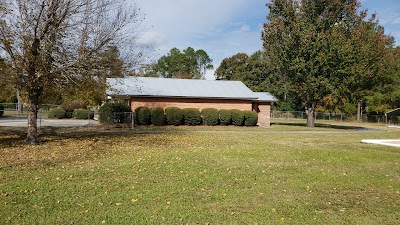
column 279, row 175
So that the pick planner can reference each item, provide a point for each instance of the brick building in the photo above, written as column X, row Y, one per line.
column 185, row 93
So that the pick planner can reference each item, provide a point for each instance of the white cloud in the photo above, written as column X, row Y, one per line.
column 152, row 38
column 177, row 16
column 396, row 20
column 244, row 28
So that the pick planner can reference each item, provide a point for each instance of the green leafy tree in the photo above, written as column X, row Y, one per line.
column 386, row 95
column 189, row 64
column 259, row 74
column 203, row 63
column 313, row 43
column 232, row 68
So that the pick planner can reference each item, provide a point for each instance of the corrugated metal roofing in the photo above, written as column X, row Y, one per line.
column 179, row 88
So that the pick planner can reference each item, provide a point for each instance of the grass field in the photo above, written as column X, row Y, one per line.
column 279, row 175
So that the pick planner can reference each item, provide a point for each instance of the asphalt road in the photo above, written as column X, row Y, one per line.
column 23, row 122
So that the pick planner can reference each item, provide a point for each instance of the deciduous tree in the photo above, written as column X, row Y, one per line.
column 318, row 46
column 50, row 42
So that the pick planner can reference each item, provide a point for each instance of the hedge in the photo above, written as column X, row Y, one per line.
column 111, row 113
column 237, row 117
column 210, row 117
column 191, row 116
column 57, row 113
column 1, row 110
column 143, row 116
column 174, row 116
column 158, row 117
column 70, row 106
column 136, row 115
column 250, row 118
column 82, row 114
column 225, row 117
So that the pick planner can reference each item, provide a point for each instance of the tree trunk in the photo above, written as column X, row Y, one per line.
column 32, row 134
column 359, row 111
column 34, row 92
column 19, row 106
column 310, row 111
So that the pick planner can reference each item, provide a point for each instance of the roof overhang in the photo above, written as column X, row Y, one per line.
column 264, row 97
column 395, row 112
column 272, row 100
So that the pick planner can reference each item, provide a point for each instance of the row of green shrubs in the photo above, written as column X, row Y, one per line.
column 71, row 109
column 192, row 117
column 60, row 113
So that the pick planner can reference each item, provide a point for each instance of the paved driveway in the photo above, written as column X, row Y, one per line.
column 389, row 142
column 23, row 122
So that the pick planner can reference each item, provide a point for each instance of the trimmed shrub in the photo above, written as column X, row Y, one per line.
column 237, row 117
column 225, row 117
column 57, row 113
column 83, row 114
column 174, row 116
column 250, row 118
column 70, row 106
column 210, row 117
column 1, row 110
column 158, row 116
column 191, row 116
column 143, row 116
column 111, row 113
column 137, row 113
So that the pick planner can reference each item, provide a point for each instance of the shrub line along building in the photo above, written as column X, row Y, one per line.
column 186, row 93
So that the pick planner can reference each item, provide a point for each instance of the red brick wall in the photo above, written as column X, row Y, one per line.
column 262, row 108
column 190, row 103
column 264, row 112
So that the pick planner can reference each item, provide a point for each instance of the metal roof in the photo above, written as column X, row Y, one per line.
column 265, row 97
column 180, row 88
column 394, row 112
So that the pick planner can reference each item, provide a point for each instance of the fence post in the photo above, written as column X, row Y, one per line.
column 133, row 119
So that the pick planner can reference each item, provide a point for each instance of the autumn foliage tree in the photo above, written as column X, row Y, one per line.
column 91, row 87
column 51, row 42
column 324, row 48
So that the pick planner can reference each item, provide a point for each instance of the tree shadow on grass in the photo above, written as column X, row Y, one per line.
column 323, row 125
column 12, row 138
column 62, row 146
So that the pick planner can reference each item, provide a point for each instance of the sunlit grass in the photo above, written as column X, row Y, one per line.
column 282, row 174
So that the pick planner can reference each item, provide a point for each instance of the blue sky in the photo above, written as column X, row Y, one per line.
column 225, row 27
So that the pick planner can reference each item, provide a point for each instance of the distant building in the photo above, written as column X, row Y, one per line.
column 184, row 93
